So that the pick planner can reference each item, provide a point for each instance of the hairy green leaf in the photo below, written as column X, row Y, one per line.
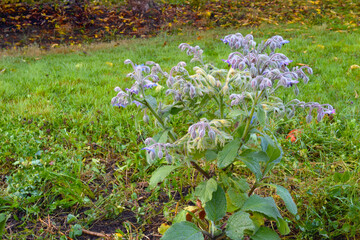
column 286, row 196
column 262, row 205
column 238, row 225
column 160, row 174
column 205, row 190
column 265, row 233
column 227, row 155
column 216, row 208
column 183, row 231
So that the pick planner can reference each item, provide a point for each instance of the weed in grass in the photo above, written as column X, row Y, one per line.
column 228, row 133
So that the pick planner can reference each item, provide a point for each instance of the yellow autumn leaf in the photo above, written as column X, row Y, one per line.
column 354, row 66
column 321, row 46
column 163, row 228
column 110, row 64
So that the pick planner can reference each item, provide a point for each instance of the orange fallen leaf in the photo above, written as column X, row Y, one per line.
column 294, row 134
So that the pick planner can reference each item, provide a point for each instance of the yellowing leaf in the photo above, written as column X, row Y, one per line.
column 163, row 228
column 110, row 64
column 191, row 208
column 321, row 46
column 356, row 94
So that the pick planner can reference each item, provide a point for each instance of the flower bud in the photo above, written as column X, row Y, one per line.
column 160, row 154
column 212, row 134
column 168, row 158
column 146, row 118
column 308, row 118
column 192, row 91
column 253, row 71
column 152, row 155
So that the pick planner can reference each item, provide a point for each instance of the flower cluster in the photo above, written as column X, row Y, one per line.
column 264, row 69
column 195, row 51
column 156, row 150
column 322, row 109
column 206, row 134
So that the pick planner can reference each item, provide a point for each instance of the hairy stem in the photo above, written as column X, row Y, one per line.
column 247, row 127
column 199, row 169
column 221, row 106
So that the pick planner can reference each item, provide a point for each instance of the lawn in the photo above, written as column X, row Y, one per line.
column 69, row 160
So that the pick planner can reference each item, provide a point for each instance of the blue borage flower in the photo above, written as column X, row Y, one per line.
column 156, row 150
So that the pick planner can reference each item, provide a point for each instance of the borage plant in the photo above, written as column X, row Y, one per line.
column 228, row 112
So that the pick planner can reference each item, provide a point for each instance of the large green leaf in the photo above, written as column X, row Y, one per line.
column 262, row 205
column 227, row 155
column 216, row 208
column 265, row 233
column 236, row 197
column 183, row 231
column 286, row 196
column 160, row 174
column 238, row 225
column 205, row 190
column 252, row 160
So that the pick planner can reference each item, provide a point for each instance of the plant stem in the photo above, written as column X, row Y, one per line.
column 221, row 106
column 247, row 127
column 253, row 189
column 173, row 138
column 199, row 169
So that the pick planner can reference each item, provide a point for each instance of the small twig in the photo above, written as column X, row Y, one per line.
column 96, row 234
column 57, row 229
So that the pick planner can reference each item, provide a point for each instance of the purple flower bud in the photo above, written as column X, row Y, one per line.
column 160, row 154
column 212, row 134
column 168, row 158
column 193, row 134
column 253, row 71
column 152, row 155
column 192, row 91
column 201, row 133
column 308, row 118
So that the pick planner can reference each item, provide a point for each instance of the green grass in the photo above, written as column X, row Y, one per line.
column 65, row 148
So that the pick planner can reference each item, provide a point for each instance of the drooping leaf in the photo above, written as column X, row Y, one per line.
column 262, row 205
column 227, row 155
column 265, row 233
column 205, row 190
column 183, row 231
column 238, row 225
column 283, row 226
column 160, row 174
column 216, row 208
column 286, row 196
